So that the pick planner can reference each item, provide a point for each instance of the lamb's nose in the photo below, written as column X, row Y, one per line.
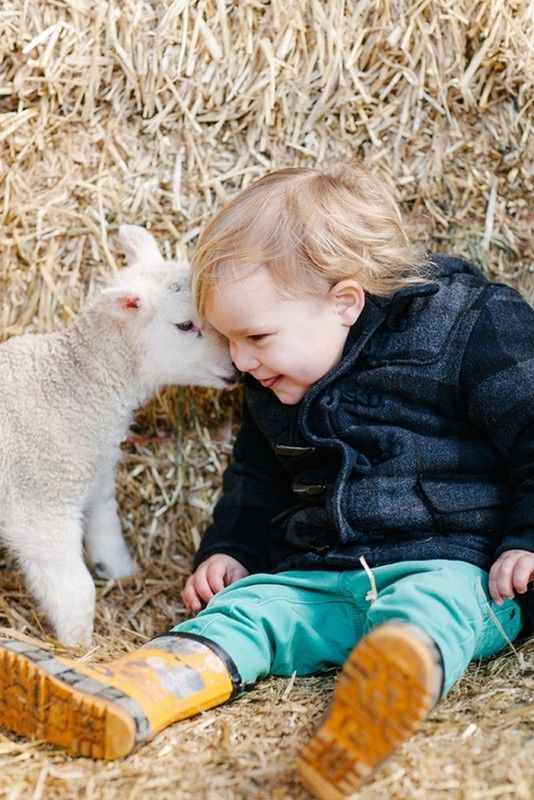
column 234, row 377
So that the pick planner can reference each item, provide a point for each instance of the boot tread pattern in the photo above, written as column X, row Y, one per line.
column 42, row 698
column 377, row 704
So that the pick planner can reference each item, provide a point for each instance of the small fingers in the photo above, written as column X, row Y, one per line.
column 235, row 573
column 197, row 590
column 501, row 579
column 523, row 573
column 190, row 596
column 202, row 586
column 512, row 572
column 212, row 575
column 215, row 577
column 494, row 592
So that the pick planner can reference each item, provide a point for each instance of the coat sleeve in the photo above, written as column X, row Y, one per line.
column 497, row 385
column 255, row 489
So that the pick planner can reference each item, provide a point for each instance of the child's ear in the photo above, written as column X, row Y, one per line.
column 348, row 297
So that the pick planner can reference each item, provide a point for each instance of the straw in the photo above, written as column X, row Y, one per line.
column 155, row 114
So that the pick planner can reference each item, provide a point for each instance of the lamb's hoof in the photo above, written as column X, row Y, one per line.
column 106, row 572
column 101, row 571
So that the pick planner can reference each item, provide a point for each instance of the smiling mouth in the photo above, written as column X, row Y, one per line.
column 269, row 383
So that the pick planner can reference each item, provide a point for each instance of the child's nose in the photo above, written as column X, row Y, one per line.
column 243, row 357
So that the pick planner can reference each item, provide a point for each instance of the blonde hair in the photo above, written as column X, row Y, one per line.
column 308, row 226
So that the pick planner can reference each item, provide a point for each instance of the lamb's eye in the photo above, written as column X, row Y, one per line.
column 185, row 326
column 174, row 287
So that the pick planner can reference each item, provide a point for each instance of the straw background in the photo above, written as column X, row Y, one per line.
column 154, row 113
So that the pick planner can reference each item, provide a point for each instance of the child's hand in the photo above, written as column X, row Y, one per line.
column 212, row 575
column 513, row 571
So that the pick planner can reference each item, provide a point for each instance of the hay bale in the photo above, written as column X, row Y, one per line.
column 156, row 113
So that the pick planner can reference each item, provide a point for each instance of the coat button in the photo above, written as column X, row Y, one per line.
column 309, row 489
column 292, row 452
column 330, row 401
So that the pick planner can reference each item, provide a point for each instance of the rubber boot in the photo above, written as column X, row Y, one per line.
column 105, row 710
column 388, row 684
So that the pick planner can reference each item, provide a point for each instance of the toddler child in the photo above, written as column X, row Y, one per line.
column 379, row 510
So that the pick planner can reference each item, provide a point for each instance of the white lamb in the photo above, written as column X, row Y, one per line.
column 66, row 401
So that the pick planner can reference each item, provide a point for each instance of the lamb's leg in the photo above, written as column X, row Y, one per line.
column 48, row 547
column 105, row 546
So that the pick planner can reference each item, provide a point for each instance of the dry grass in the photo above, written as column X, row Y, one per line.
column 155, row 113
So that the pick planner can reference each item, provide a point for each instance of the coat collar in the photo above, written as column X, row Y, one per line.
column 367, row 323
column 372, row 317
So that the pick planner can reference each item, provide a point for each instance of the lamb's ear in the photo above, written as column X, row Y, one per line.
column 122, row 302
column 139, row 245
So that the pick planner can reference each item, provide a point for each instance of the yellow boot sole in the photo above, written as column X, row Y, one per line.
column 42, row 697
column 387, row 686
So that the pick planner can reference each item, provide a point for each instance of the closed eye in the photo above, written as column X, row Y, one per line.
column 185, row 326
column 257, row 337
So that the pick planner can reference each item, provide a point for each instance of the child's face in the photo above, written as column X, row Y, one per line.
column 286, row 344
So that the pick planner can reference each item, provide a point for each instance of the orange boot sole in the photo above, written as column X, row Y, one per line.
column 105, row 710
column 388, row 684
column 42, row 697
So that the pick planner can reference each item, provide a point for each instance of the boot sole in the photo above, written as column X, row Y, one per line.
column 43, row 698
column 388, row 685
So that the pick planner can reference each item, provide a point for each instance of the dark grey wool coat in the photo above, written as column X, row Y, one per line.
column 419, row 444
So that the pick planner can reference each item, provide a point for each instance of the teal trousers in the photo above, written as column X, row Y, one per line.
column 306, row 622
